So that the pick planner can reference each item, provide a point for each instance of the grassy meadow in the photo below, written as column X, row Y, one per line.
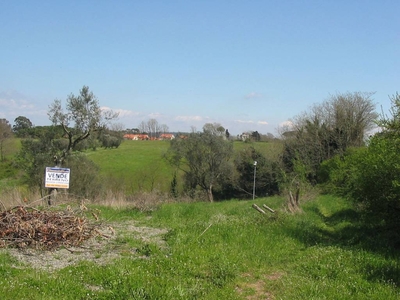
column 140, row 166
column 222, row 250
column 135, row 165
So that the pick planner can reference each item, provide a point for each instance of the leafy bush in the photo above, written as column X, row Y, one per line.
column 370, row 176
column 84, row 179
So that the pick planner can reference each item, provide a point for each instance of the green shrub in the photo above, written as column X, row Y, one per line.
column 371, row 177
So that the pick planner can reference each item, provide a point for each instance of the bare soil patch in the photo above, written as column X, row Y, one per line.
column 257, row 289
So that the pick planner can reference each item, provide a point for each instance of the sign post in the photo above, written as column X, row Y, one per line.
column 56, row 178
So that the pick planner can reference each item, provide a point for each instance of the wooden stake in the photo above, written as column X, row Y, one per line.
column 256, row 207
column 270, row 209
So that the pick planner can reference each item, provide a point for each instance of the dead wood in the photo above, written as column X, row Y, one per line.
column 23, row 226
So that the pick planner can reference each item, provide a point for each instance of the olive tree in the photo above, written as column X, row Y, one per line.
column 82, row 117
column 203, row 158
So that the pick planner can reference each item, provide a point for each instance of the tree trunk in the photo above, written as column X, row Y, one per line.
column 210, row 194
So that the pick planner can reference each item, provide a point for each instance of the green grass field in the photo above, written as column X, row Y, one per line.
column 139, row 165
column 222, row 250
column 132, row 167
column 225, row 250
column 135, row 165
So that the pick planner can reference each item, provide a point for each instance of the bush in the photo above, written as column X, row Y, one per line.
column 371, row 177
column 84, row 179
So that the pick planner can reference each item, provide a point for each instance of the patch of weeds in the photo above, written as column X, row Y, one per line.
column 221, row 271
column 147, row 250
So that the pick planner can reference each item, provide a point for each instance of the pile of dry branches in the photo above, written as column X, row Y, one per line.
column 28, row 227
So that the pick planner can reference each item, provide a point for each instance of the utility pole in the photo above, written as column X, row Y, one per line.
column 254, row 183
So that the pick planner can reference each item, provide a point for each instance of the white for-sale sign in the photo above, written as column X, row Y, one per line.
column 57, row 178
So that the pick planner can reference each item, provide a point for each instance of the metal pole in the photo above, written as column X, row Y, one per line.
column 254, row 183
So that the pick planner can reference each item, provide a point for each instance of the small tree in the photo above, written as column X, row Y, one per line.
column 214, row 128
column 83, row 112
column 5, row 133
column 22, row 126
column 203, row 158
column 267, row 181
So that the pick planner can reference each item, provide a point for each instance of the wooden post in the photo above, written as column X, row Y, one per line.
column 256, row 207
column 270, row 209
column 52, row 196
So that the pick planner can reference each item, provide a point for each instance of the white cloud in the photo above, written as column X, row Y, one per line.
column 188, row 118
column 14, row 104
column 286, row 124
column 253, row 95
column 121, row 112
column 246, row 122
column 262, row 122
column 155, row 115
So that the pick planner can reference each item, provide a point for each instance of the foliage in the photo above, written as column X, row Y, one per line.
column 255, row 136
column 5, row 133
column 329, row 129
column 370, row 175
column 86, row 115
column 36, row 155
column 110, row 141
column 85, row 180
column 267, row 174
column 203, row 157
column 22, row 126
column 214, row 129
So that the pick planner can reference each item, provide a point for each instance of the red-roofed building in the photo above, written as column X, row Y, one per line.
column 166, row 136
column 136, row 137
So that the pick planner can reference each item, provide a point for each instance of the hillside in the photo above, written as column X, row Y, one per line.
column 223, row 250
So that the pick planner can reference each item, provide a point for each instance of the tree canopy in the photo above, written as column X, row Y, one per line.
column 203, row 158
column 21, row 126
column 328, row 129
column 82, row 117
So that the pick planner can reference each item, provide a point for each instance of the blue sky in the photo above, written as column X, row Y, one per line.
column 249, row 65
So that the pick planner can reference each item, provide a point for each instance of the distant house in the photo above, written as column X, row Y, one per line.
column 136, row 137
column 289, row 134
column 244, row 136
column 166, row 136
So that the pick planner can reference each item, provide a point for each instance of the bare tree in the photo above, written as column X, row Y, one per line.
column 164, row 128
column 142, row 127
column 153, row 128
